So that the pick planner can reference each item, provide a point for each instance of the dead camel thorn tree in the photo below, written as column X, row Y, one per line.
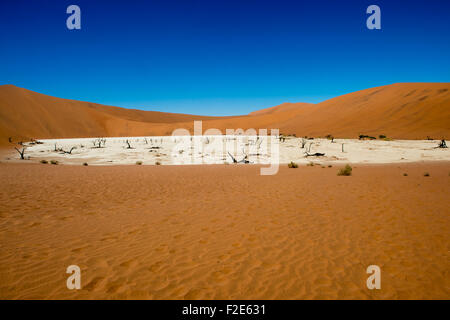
column 317, row 154
column 58, row 149
column 129, row 145
column 303, row 143
column 22, row 153
column 442, row 144
column 244, row 160
column 34, row 141
column 330, row 137
column 68, row 152
column 99, row 143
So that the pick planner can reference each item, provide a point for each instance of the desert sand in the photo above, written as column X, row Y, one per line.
column 224, row 232
column 221, row 230
column 400, row 111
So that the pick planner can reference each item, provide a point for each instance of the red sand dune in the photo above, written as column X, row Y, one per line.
column 404, row 110
column 27, row 114
column 284, row 107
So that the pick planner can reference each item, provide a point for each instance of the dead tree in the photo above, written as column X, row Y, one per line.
column 99, row 143
column 232, row 158
column 260, row 142
column 22, row 153
column 58, row 149
column 303, row 143
column 244, row 160
column 258, row 145
column 68, row 152
column 34, row 141
column 317, row 154
column 442, row 144
column 129, row 145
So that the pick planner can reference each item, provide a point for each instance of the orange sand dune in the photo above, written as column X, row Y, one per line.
column 224, row 232
column 405, row 110
column 284, row 107
column 27, row 114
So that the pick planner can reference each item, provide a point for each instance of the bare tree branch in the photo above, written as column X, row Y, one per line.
column 22, row 153
column 68, row 152
column 442, row 144
column 129, row 145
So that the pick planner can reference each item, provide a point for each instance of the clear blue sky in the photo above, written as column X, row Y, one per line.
column 220, row 57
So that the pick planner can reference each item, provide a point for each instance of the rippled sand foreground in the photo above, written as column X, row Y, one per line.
column 224, row 232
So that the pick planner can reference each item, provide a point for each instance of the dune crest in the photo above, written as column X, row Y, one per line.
column 402, row 111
